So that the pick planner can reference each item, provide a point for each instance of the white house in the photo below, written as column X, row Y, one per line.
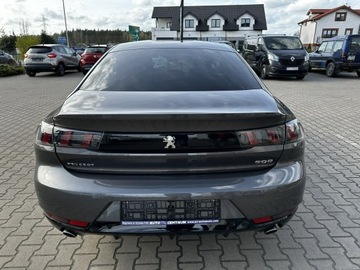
column 211, row 23
column 326, row 23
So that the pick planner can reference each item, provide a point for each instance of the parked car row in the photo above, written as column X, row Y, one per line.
column 59, row 58
column 285, row 56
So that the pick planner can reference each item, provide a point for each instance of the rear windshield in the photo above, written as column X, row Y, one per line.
column 283, row 43
column 171, row 70
column 95, row 50
column 40, row 49
column 355, row 44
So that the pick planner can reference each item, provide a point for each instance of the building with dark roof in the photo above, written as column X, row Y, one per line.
column 322, row 24
column 211, row 23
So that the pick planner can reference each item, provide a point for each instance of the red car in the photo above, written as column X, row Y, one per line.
column 91, row 55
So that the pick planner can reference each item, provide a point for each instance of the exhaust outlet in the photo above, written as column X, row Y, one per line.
column 271, row 230
column 69, row 233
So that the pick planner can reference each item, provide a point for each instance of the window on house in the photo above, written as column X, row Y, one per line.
column 168, row 24
column 189, row 23
column 329, row 33
column 215, row 23
column 245, row 22
column 340, row 16
column 348, row 31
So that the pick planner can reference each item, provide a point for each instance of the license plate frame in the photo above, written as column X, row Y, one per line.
column 292, row 68
column 177, row 212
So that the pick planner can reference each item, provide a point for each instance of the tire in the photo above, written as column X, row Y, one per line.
column 263, row 72
column 358, row 73
column 300, row 77
column 60, row 70
column 30, row 73
column 331, row 70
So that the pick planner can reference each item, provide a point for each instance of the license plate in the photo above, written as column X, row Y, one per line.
column 351, row 57
column 292, row 68
column 37, row 59
column 169, row 222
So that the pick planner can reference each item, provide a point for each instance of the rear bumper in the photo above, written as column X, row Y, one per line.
column 40, row 67
column 97, row 198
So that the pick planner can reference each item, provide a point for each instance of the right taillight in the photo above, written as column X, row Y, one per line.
column 294, row 131
column 290, row 132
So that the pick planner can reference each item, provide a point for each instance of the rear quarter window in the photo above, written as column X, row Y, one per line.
column 355, row 44
column 171, row 70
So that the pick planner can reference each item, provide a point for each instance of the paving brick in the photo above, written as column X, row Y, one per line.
column 334, row 228
column 22, row 257
column 211, row 259
column 64, row 256
column 50, row 246
column 351, row 246
column 189, row 251
column 39, row 262
column 106, row 253
column 82, row 261
column 148, row 253
column 323, row 238
column 234, row 265
column 271, row 248
column 231, row 250
column 11, row 245
column 310, row 221
column 89, row 245
column 248, row 241
column 255, row 259
column 169, row 260
column 125, row 261
column 339, row 258
column 297, row 259
column 168, row 244
column 312, row 250
column 279, row 265
column 322, row 264
column 129, row 244
column 209, row 242
column 191, row 266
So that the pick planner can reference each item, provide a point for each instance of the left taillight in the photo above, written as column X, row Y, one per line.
column 49, row 135
column 44, row 134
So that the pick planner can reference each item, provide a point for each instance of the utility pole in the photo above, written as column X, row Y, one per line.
column 66, row 31
column 182, row 20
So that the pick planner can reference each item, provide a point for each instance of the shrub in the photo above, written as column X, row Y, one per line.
column 9, row 70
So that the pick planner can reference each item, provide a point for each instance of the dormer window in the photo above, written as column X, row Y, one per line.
column 215, row 23
column 189, row 24
column 245, row 22
column 340, row 16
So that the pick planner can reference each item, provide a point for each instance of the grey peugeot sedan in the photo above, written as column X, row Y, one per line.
column 170, row 137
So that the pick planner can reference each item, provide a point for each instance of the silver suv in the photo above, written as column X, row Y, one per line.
column 50, row 57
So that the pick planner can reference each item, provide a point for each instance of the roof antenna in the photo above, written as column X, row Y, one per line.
column 181, row 20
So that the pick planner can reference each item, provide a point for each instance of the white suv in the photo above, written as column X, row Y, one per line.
column 50, row 57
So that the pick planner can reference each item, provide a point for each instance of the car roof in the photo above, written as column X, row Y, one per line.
column 148, row 44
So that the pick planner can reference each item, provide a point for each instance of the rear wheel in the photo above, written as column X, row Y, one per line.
column 263, row 72
column 60, row 70
column 30, row 73
column 331, row 70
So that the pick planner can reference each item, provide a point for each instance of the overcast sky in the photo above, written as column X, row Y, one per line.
column 282, row 15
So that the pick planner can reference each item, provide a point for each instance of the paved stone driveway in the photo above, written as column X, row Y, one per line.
column 325, row 233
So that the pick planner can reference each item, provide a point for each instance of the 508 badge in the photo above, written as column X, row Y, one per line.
column 264, row 161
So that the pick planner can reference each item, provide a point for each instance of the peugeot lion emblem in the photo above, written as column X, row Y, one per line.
column 292, row 58
column 170, row 141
